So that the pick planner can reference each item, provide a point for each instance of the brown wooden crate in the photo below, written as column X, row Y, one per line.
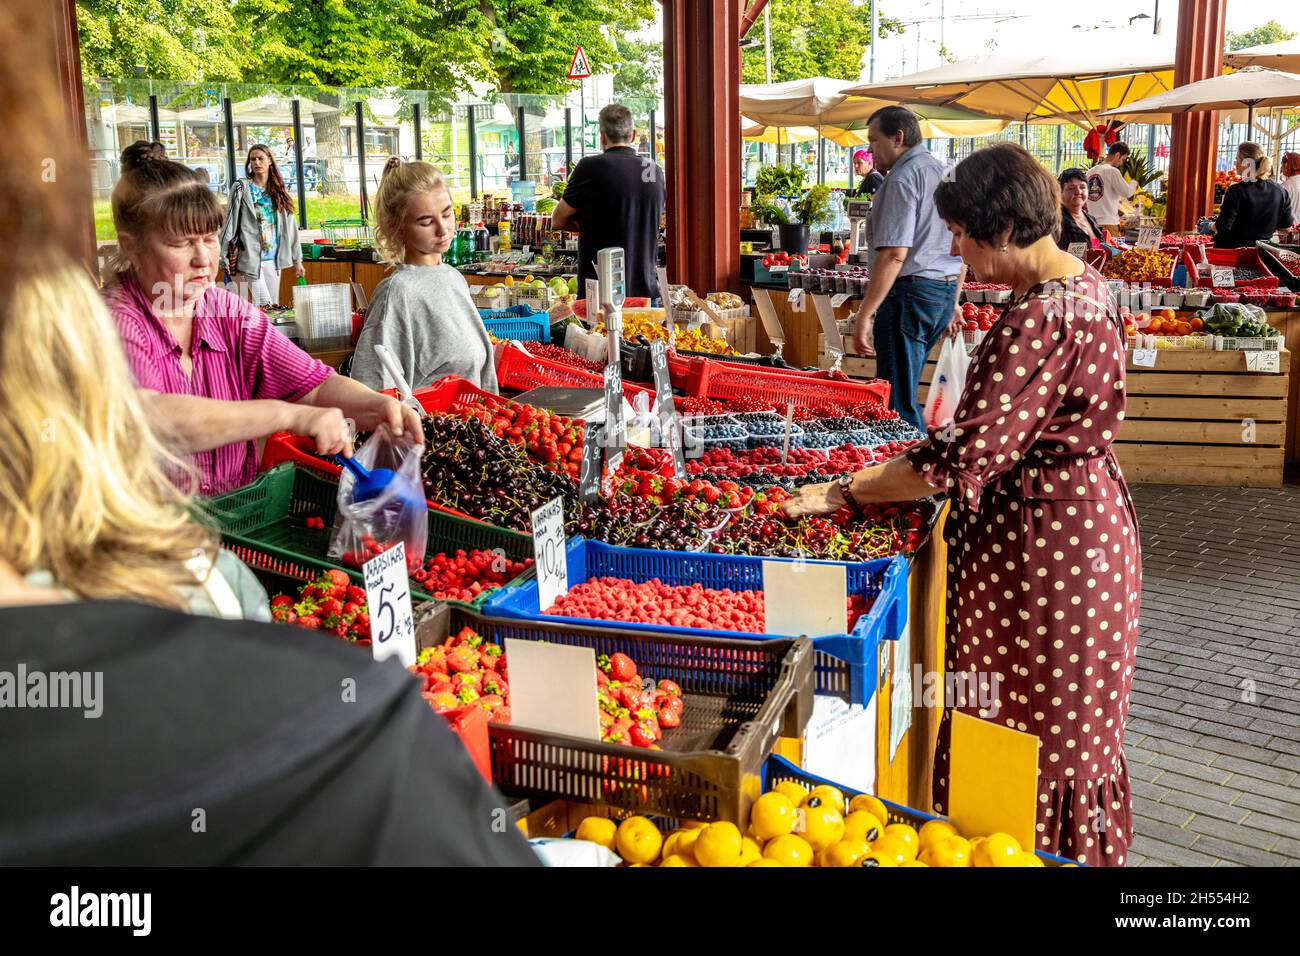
column 1204, row 409
column 1201, row 464
column 1178, row 383
column 1160, row 431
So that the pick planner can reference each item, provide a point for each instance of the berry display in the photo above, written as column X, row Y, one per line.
column 331, row 603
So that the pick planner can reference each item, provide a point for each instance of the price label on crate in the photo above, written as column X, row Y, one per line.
column 388, row 595
column 592, row 456
column 615, row 426
column 1222, row 277
column 1077, row 249
column 549, row 553
column 789, row 423
column 796, row 299
column 830, row 327
column 838, row 299
column 767, row 315
column 1263, row 361
column 666, row 406
column 593, row 303
column 1149, row 237
column 1145, row 358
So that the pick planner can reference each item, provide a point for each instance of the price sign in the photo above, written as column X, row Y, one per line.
column 549, row 553
column 767, row 315
column 593, row 303
column 615, row 427
column 662, row 275
column 1146, row 358
column 589, row 476
column 831, row 328
column 1077, row 249
column 1263, row 362
column 669, row 424
column 838, row 299
column 789, row 422
column 1149, row 237
column 1222, row 277
column 388, row 595
column 796, row 300
column 803, row 597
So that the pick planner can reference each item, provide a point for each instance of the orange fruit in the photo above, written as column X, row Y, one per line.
column 845, row 853
column 861, row 825
column 905, row 835
column 822, row 824
column 932, row 831
column 873, row 858
column 952, row 851
column 598, row 830
column 894, row 849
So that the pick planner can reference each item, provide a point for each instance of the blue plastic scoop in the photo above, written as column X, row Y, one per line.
column 373, row 483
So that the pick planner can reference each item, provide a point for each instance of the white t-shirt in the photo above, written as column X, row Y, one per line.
column 1292, row 186
column 1106, row 187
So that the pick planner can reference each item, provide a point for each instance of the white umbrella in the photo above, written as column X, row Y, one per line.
column 1251, row 87
column 1275, row 56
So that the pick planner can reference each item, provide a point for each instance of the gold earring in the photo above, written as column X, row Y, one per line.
column 1004, row 248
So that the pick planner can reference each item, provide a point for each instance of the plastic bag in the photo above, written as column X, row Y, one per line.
column 949, row 382
column 363, row 529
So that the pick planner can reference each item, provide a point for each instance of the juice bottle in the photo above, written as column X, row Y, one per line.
column 503, row 234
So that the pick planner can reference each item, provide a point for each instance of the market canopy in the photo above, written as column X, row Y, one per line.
column 1075, row 83
column 1251, row 87
column 1276, row 56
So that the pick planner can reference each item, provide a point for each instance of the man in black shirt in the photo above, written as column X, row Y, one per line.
column 616, row 199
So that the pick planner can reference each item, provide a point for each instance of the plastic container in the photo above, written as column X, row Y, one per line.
column 706, row 378
column 324, row 315
column 264, row 524
column 520, row 373
column 777, row 769
column 520, row 323
column 740, row 696
column 846, row 664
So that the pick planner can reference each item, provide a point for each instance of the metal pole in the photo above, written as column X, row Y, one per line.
column 1058, row 148
column 228, row 117
column 523, row 163
column 875, row 32
column 473, row 152
column 767, row 65
column 415, row 122
column 1155, row 20
column 821, row 160
column 297, row 163
column 568, row 139
column 155, row 127
column 654, row 137
column 941, row 31
column 582, row 120
column 361, row 158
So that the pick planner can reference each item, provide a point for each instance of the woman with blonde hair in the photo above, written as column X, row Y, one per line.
column 1255, row 208
column 422, row 312
column 221, row 375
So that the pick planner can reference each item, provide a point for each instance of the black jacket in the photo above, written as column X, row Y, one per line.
column 1070, row 231
column 868, row 186
column 1251, row 211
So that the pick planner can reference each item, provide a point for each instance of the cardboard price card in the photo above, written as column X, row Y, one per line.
column 593, row 303
column 993, row 779
column 549, row 552
column 592, row 457
column 1223, row 277
column 1149, row 237
column 1077, row 249
column 666, row 407
column 1263, row 361
column 615, row 426
column 767, row 315
column 553, row 688
column 1145, row 358
column 388, row 595
column 805, row 598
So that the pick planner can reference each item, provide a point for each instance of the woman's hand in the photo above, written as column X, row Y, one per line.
column 822, row 499
column 326, row 426
column 299, row 270
column 400, row 418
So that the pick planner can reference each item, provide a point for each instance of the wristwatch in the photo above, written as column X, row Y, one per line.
column 845, row 483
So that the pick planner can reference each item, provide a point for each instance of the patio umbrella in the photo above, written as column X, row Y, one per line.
column 1275, row 56
column 1251, row 87
column 1090, row 75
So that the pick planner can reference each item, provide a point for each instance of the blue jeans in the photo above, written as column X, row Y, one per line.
column 910, row 322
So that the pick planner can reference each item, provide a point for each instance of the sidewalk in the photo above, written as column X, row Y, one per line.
column 1213, row 739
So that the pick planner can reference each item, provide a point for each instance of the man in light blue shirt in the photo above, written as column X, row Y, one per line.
column 912, row 296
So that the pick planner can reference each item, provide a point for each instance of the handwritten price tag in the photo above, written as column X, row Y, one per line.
column 1262, row 362
column 1149, row 237
column 796, row 300
column 839, row 298
column 1077, row 249
column 1144, row 357
column 549, row 552
column 1222, row 277
column 388, row 595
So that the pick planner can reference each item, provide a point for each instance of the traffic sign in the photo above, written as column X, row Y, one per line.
column 579, row 69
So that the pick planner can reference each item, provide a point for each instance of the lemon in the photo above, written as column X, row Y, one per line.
column 893, row 848
column 915, row 863
column 1024, row 859
column 827, row 795
column 905, row 835
column 845, row 853
column 598, row 830
column 694, row 824
column 749, row 851
column 997, row 849
column 953, row 851
column 862, row 825
column 789, row 850
column 865, row 801
column 680, row 843
column 794, row 792
column 638, row 840
column 764, row 862
column 677, row 861
column 719, row 844
column 875, row 859
column 773, row 815
column 932, row 831
column 822, row 824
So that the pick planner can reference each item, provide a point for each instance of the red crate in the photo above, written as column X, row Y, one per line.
column 520, row 372
column 719, row 380
column 470, row 724
column 1243, row 258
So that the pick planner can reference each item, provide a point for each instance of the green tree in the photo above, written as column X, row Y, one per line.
column 814, row 38
column 1271, row 32
column 161, row 39
column 641, row 67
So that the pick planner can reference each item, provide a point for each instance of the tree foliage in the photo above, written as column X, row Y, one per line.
column 1271, row 32
column 162, row 39
column 814, row 38
column 641, row 67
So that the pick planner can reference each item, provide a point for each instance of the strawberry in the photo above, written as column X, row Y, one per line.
column 330, row 607
column 281, row 600
column 443, row 700
column 356, row 595
column 670, row 688
column 493, row 684
column 309, row 621
column 630, row 697
column 621, row 667
column 670, row 712
column 467, row 695
column 641, row 735
column 472, row 679
column 463, row 658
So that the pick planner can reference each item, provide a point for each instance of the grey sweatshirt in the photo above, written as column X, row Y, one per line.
column 425, row 316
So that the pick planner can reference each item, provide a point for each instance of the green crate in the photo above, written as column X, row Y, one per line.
column 264, row 524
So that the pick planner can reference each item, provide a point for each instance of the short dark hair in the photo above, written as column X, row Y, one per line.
column 1071, row 174
column 1000, row 188
column 893, row 120
column 616, row 123
column 1120, row 148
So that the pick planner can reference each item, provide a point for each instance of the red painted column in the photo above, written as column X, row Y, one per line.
column 702, row 102
column 1198, row 56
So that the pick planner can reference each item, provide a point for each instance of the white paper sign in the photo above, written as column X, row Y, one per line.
column 805, row 598
column 839, row 298
column 900, row 698
column 831, row 328
column 662, row 274
column 549, row 553
column 1144, row 357
column 1222, row 277
column 767, row 315
column 796, row 299
column 1262, row 361
column 593, row 303
column 789, row 423
column 1077, row 249
column 1149, row 237
column 553, row 688
column 840, row 742
column 388, row 596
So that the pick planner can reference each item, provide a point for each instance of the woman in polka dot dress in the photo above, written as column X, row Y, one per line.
column 1045, row 571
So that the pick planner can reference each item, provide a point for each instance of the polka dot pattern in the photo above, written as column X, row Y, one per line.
column 1052, row 518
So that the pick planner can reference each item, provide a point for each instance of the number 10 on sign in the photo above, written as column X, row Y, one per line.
column 549, row 553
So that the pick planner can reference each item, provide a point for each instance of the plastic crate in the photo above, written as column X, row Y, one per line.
column 777, row 769
column 519, row 372
column 708, row 378
column 520, row 323
column 1229, row 343
column 346, row 230
column 1247, row 258
column 264, row 524
column 740, row 696
column 1268, row 253
column 846, row 665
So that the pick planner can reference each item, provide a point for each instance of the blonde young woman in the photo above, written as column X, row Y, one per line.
column 1255, row 208
column 422, row 312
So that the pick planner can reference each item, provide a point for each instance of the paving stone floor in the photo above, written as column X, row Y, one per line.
column 1213, row 738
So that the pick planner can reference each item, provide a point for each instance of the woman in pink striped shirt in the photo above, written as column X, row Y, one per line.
column 220, row 375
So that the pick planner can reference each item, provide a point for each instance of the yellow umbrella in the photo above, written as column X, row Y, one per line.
column 778, row 135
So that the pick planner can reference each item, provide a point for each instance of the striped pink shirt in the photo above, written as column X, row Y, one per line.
column 237, row 354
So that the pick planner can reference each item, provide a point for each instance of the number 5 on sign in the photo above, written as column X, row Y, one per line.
column 549, row 553
column 388, row 595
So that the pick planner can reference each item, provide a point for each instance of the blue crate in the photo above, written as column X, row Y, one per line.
column 846, row 665
column 519, row 323
column 777, row 769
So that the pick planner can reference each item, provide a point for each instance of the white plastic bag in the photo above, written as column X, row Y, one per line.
column 949, row 382
column 362, row 529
